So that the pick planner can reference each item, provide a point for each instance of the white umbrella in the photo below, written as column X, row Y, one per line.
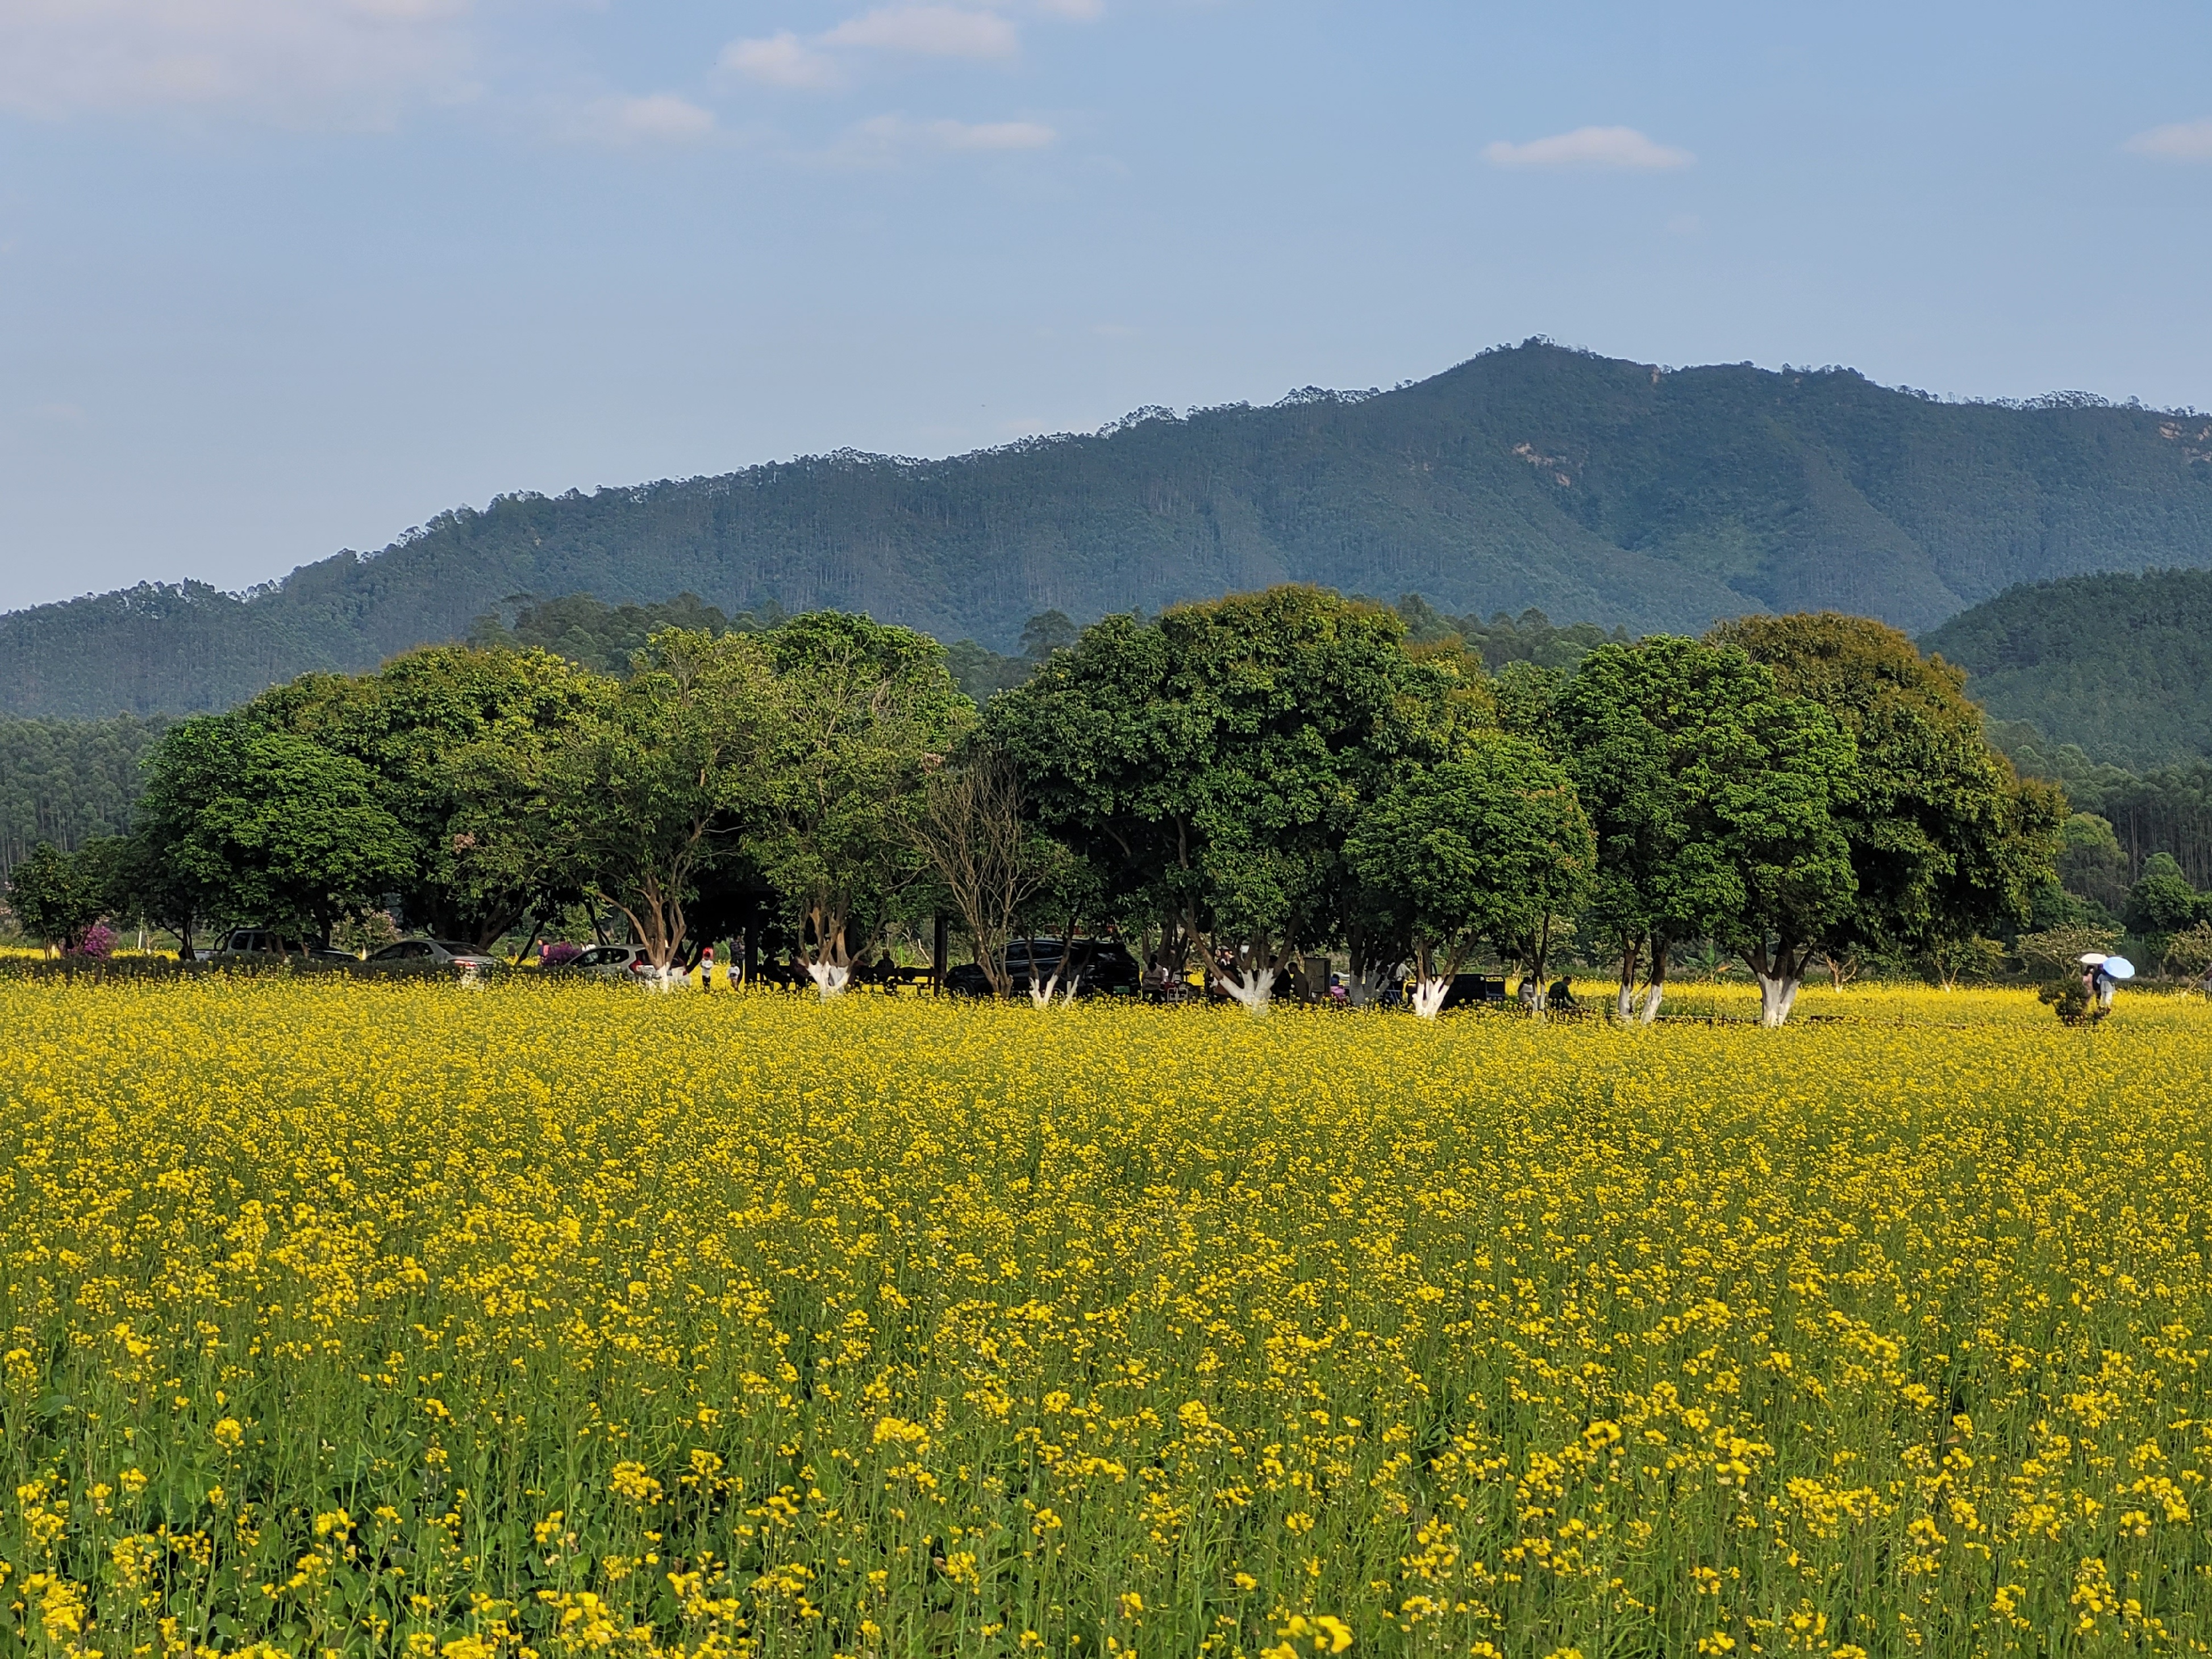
column 2092, row 958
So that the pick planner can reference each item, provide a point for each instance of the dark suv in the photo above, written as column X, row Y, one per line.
column 1101, row 966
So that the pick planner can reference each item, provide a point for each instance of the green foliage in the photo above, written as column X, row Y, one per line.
column 2068, row 998
column 2168, row 809
column 1259, row 774
column 1488, row 843
column 603, row 637
column 2119, row 666
column 2056, row 952
column 55, row 896
column 1535, row 477
column 2091, row 862
column 631, row 798
column 860, row 712
column 1711, row 791
column 1947, row 843
column 2189, row 953
column 1210, row 767
column 66, row 782
column 1530, row 638
column 268, row 826
column 2161, row 903
column 421, row 723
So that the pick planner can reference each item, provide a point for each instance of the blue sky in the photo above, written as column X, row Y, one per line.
column 278, row 277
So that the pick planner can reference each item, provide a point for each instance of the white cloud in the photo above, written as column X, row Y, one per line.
column 781, row 60
column 2182, row 141
column 318, row 63
column 660, row 117
column 1588, row 147
column 979, row 32
column 896, row 132
column 928, row 32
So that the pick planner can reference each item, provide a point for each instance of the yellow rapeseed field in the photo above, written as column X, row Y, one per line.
column 411, row 1320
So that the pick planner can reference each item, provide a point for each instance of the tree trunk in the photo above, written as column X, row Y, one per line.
column 1624, row 1004
column 830, row 965
column 1779, row 973
column 1432, row 981
column 1250, row 988
column 1654, row 983
column 1777, row 992
column 1362, row 987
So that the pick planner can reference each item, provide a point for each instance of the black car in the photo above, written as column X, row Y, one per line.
column 1101, row 966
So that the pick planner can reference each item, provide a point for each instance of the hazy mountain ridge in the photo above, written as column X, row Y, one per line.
column 1587, row 487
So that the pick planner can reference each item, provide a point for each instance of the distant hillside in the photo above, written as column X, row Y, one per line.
column 1533, row 477
column 2120, row 667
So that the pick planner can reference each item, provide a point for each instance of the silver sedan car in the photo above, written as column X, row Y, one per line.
column 434, row 953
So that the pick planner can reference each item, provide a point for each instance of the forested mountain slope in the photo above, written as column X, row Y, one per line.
column 66, row 782
column 1588, row 486
column 2120, row 667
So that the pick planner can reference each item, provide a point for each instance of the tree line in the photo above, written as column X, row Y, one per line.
column 1232, row 784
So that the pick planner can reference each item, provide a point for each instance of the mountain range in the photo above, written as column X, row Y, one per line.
column 1615, row 493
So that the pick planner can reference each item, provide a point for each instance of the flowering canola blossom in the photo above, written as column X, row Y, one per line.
column 405, row 1320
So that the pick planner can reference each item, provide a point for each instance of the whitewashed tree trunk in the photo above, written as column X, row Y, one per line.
column 1249, row 988
column 829, row 978
column 1429, row 995
column 1778, row 994
column 1654, row 985
column 1363, row 987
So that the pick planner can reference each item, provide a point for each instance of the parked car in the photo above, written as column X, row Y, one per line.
column 241, row 942
column 1102, row 965
column 419, row 953
column 606, row 962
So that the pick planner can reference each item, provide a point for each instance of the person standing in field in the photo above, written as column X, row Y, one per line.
column 707, row 969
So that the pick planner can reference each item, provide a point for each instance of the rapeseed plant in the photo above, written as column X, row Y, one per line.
column 400, row 1320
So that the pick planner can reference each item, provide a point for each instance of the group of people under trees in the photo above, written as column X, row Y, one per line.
column 1231, row 785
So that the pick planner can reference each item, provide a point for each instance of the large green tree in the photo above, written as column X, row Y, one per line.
column 862, row 713
column 1210, row 766
column 56, row 896
column 269, row 827
column 426, row 725
column 637, row 795
column 1947, row 843
column 1710, row 791
column 1489, row 843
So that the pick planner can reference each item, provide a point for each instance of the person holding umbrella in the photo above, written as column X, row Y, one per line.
column 2101, row 976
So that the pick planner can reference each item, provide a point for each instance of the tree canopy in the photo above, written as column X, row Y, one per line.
column 1946, row 842
column 1490, row 842
column 271, row 825
column 1211, row 766
column 1711, row 791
